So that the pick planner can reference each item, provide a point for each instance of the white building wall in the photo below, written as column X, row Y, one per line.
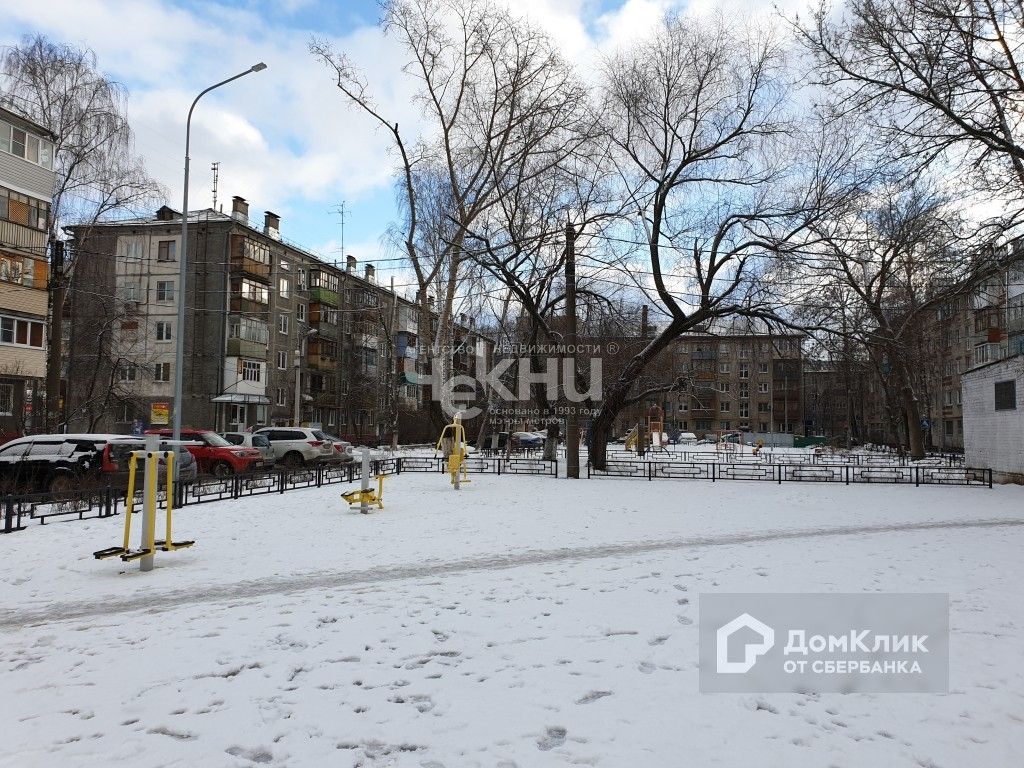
column 994, row 439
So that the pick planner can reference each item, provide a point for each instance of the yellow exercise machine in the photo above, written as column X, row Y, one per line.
column 148, row 543
column 452, row 444
column 364, row 496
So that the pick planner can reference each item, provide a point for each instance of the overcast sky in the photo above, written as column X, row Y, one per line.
column 284, row 138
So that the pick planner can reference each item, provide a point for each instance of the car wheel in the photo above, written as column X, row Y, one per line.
column 222, row 469
column 60, row 482
column 293, row 460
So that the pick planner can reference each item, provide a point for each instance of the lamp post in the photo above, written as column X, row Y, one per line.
column 179, row 346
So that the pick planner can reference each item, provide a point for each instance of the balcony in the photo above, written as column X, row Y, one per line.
column 248, row 306
column 321, row 362
column 324, row 296
column 244, row 348
column 250, row 267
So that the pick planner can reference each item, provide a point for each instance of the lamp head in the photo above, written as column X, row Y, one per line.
column 258, row 67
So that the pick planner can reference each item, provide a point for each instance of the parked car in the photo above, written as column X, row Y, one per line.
column 296, row 446
column 116, row 454
column 343, row 452
column 253, row 440
column 55, row 463
column 58, row 463
column 214, row 454
column 527, row 439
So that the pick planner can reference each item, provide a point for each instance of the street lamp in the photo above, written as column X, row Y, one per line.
column 179, row 346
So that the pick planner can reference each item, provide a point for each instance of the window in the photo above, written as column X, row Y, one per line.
column 249, row 329
column 744, row 390
column 163, row 330
column 762, row 426
column 252, row 291
column 723, row 386
column 167, row 250
column 744, row 371
column 725, row 406
column 162, row 372
column 6, row 399
column 1006, row 395
column 256, row 251
column 126, row 372
column 330, row 418
column 284, row 287
column 282, row 361
column 18, row 140
column 251, row 371
column 282, row 324
column 165, row 290
column 764, row 407
column 763, row 387
column 21, row 333
column 762, row 367
column 128, row 290
column 282, row 396
column 130, row 248
column 744, row 353
column 724, row 349
column 300, row 282
column 724, row 367
column 300, row 312
column 744, row 410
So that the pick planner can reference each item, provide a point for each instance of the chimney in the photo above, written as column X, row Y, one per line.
column 368, row 272
column 240, row 209
column 166, row 213
column 350, row 264
column 272, row 225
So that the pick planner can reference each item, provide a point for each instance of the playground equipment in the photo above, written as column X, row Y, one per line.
column 452, row 445
column 364, row 496
column 649, row 437
column 631, row 439
column 148, row 543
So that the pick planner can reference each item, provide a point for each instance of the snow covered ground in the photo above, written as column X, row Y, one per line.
column 518, row 622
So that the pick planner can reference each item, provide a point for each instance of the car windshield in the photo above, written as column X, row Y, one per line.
column 234, row 439
column 320, row 435
column 260, row 441
column 215, row 440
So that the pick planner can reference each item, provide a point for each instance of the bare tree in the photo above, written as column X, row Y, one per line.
column 898, row 252
column 698, row 117
column 939, row 79
column 60, row 87
column 497, row 99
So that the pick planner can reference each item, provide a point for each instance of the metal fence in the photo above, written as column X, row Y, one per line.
column 19, row 510
column 781, row 473
column 770, row 457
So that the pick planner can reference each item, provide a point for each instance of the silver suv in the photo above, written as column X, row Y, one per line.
column 296, row 446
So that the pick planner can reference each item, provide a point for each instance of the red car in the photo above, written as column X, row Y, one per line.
column 216, row 455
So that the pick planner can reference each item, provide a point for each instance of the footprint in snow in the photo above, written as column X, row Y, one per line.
column 258, row 755
column 592, row 696
column 553, row 737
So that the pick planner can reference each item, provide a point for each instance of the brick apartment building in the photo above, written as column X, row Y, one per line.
column 26, row 190
column 270, row 327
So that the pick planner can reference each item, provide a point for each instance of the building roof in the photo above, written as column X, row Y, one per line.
column 23, row 122
column 1001, row 360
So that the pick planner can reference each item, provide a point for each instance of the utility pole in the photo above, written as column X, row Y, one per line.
column 53, row 354
column 572, row 420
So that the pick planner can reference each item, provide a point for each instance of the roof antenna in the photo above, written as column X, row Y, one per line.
column 216, row 173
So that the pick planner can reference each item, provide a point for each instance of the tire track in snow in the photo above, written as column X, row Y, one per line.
column 247, row 590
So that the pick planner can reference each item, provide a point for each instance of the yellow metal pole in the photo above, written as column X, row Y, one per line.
column 151, row 481
column 169, row 492
column 129, row 502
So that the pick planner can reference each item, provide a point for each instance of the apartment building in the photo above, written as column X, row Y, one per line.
column 741, row 378
column 273, row 334
column 26, row 190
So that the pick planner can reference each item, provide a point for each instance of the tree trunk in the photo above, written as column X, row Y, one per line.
column 616, row 398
